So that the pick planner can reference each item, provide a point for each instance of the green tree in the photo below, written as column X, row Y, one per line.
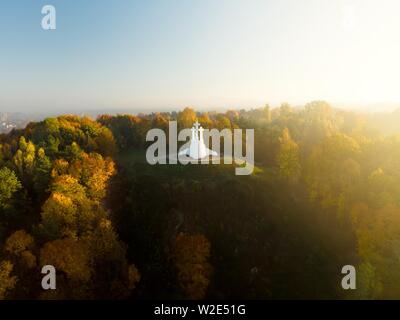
column 9, row 185
column 42, row 170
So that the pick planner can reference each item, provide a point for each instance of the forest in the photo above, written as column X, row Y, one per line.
column 78, row 194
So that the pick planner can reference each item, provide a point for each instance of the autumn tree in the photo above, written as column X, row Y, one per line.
column 18, row 242
column 20, row 246
column 190, row 254
column 288, row 158
column 319, row 122
column 332, row 171
column 7, row 281
column 24, row 159
column 377, row 232
column 186, row 118
column 93, row 172
column 69, row 256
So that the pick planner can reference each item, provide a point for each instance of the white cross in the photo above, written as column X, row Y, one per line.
column 201, row 133
column 196, row 125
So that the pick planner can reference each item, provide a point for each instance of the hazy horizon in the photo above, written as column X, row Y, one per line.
column 230, row 54
column 373, row 108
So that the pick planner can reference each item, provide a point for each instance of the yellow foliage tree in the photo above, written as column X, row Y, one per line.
column 7, row 281
column 93, row 172
column 24, row 158
column 69, row 256
column 190, row 254
column 186, row 118
column 18, row 242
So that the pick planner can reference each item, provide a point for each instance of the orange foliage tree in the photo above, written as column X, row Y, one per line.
column 190, row 254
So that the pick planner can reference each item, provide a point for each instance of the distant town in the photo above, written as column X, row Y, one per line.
column 19, row 120
column 9, row 121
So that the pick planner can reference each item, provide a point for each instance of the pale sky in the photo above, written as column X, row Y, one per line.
column 208, row 54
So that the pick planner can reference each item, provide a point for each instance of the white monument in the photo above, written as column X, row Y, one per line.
column 197, row 148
